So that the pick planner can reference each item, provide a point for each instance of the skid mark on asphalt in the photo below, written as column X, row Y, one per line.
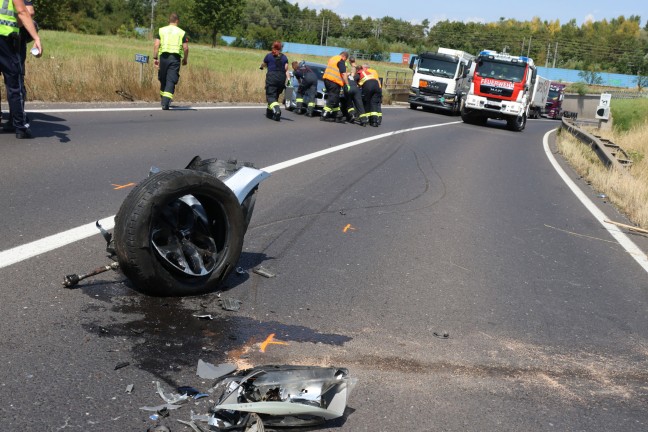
column 38, row 247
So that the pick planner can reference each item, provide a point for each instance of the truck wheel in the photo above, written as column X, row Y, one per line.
column 179, row 232
column 517, row 123
column 413, row 106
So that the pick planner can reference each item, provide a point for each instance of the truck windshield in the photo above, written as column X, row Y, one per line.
column 437, row 67
column 498, row 70
column 553, row 94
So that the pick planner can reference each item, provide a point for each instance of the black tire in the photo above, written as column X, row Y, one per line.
column 466, row 115
column 413, row 106
column 179, row 232
column 517, row 124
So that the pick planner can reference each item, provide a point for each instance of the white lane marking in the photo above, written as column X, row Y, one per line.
column 47, row 244
column 298, row 160
column 614, row 231
column 30, row 250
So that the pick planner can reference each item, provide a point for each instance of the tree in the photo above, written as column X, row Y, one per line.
column 590, row 77
column 217, row 15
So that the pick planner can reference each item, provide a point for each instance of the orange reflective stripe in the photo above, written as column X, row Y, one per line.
column 332, row 73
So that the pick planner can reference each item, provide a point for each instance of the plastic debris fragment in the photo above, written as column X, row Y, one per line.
column 262, row 271
column 204, row 316
column 129, row 388
column 209, row 371
column 170, row 398
column 189, row 391
column 159, row 407
column 230, row 304
column 240, row 271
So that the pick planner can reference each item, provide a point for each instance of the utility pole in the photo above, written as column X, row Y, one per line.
column 548, row 53
column 529, row 48
column 555, row 56
column 328, row 25
column 322, row 33
column 152, row 15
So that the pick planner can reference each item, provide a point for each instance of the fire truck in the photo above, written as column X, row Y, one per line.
column 504, row 87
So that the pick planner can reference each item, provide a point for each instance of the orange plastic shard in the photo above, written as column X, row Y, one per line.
column 117, row 187
column 348, row 228
column 270, row 341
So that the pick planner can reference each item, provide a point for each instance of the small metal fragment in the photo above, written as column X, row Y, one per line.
column 262, row 271
column 204, row 316
column 121, row 365
column 129, row 388
column 209, row 371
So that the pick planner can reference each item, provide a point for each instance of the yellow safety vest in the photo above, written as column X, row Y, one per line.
column 332, row 73
column 171, row 38
column 8, row 20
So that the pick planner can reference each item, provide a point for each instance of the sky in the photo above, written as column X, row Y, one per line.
column 484, row 11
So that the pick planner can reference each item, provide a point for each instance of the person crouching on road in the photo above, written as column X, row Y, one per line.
column 172, row 45
column 307, row 90
column 277, row 64
column 371, row 94
column 335, row 77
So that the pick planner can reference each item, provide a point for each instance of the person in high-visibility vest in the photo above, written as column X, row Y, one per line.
column 353, row 96
column 172, row 45
column 307, row 90
column 371, row 94
column 335, row 77
column 11, row 13
column 277, row 64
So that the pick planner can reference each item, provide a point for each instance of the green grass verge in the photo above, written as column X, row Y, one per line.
column 628, row 113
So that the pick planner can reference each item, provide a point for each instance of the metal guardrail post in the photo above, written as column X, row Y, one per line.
column 602, row 151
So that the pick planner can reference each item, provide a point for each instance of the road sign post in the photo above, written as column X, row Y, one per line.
column 141, row 59
column 603, row 108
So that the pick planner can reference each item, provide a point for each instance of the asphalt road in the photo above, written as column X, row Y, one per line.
column 377, row 248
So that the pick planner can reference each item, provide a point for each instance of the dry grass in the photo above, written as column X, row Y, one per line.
column 88, row 68
column 628, row 193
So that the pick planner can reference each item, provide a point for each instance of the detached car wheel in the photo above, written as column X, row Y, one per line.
column 179, row 232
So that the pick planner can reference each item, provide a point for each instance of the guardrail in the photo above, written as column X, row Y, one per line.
column 610, row 154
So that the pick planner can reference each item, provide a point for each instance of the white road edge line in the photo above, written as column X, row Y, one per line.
column 47, row 244
column 614, row 231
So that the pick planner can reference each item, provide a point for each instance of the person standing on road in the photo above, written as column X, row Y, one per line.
column 307, row 90
column 371, row 94
column 13, row 12
column 335, row 77
column 277, row 64
column 172, row 45
column 25, row 38
column 353, row 99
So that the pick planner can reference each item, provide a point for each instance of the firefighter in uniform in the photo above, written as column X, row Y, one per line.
column 371, row 94
column 307, row 90
column 10, row 64
column 335, row 78
column 277, row 64
column 173, row 47
column 353, row 96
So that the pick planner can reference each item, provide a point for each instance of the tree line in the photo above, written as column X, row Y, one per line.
column 618, row 45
